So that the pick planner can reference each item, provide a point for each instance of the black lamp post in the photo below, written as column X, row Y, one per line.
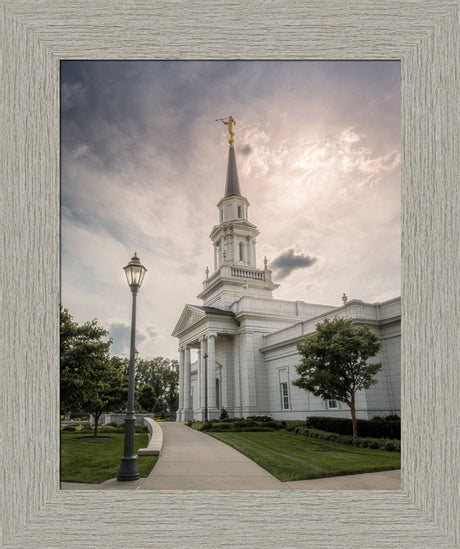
column 135, row 273
column 205, row 356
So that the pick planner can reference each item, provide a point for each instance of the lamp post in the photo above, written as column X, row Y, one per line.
column 135, row 273
column 205, row 356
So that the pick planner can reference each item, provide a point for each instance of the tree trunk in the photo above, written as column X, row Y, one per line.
column 353, row 416
column 96, row 421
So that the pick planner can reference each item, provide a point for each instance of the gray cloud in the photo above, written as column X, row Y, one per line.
column 245, row 150
column 121, row 333
column 288, row 261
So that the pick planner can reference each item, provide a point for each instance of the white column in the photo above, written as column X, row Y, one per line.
column 215, row 257
column 203, row 377
column 211, row 372
column 237, row 375
column 254, row 258
column 187, row 385
column 197, row 404
column 248, row 375
column 179, row 415
column 250, row 251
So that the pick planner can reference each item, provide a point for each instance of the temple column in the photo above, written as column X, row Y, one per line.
column 180, row 411
column 202, row 388
column 212, row 408
column 197, row 405
column 187, row 385
column 250, row 252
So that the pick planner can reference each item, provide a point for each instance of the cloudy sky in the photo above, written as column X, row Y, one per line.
column 144, row 164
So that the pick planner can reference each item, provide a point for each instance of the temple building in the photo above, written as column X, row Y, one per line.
column 238, row 349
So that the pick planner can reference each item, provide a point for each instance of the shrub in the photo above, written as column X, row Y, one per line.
column 69, row 428
column 292, row 425
column 374, row 428
column 260, row 418
column 223, row 414
column 360, row 442
column 392, row 417
column 110, row 429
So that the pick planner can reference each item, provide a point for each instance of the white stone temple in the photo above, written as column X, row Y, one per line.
column 238, row 349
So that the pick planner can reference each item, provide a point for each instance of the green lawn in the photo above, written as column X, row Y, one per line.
column 94, row 460
column 288, row 456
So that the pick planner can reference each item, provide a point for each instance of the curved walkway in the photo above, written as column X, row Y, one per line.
column 191, row 460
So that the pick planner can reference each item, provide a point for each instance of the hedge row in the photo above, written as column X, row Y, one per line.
column 110, row 428
column 266, row 424
column 374, row 428
column 360, row 442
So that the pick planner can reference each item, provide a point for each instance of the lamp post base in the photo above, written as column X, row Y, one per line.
column 128, row 469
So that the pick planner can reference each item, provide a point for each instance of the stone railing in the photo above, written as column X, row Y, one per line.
column 251, row 274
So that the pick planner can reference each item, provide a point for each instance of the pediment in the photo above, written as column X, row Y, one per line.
column 190, row 316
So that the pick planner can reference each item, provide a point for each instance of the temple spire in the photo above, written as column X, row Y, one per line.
column 232, row 186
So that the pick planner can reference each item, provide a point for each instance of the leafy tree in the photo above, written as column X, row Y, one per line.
column 147, row 398
column 91, row 381
column 157, row 383
column 84, row 361
column 109, row 392
column 334, row 362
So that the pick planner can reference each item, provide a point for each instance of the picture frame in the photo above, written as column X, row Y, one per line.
column 36, row 36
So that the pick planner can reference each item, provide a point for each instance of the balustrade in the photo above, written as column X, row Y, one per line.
column 241, row 272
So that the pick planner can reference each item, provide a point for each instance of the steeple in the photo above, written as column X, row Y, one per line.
column 232, row 186
column 234, row 239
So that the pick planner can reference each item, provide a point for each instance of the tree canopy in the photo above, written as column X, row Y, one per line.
column 84, row 360
column 94, row 382
column 335, row 362
column 90, row 381
column 157, row 382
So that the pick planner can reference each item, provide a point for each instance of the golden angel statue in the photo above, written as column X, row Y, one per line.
column 230, row 123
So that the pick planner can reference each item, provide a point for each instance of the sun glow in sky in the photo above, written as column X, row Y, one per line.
column 144, row 164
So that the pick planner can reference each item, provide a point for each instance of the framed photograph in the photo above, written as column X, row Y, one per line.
column 36, row 37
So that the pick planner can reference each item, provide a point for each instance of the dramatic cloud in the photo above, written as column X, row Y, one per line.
column 143, row 166
column 289, row 261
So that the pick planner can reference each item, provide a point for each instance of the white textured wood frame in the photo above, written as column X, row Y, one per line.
column 36, row 35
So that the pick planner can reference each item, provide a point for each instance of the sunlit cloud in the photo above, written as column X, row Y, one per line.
column 143, row 167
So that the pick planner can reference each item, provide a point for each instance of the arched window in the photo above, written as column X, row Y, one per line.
column 239, row 212
column 241, row 247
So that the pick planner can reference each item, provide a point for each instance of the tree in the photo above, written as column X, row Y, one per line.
column 334, row 362
column 157, row 382
column 84, row 360
column 147, row 398
column 109, row 392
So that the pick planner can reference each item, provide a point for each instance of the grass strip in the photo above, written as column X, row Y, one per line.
column 289, row 457
column 95, row 460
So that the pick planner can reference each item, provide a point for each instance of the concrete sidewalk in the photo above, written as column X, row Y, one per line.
column 192, row 460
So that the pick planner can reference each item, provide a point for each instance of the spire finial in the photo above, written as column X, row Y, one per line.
column 230, row 123
column 344, row 298
column 265, row 262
